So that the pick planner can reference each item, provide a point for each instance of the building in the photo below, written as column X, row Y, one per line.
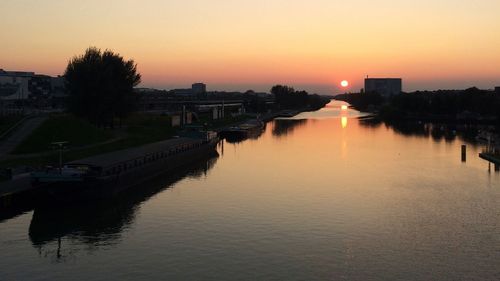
column 24, row 86
column 14, row 85
column 199, row 88
column 386, row 87
column 497, row 90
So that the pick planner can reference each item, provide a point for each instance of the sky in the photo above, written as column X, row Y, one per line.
column 254, row 44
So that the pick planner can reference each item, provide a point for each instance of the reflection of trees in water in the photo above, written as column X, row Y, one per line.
column 91, row 225
column 370, row 122
column 436, row 131
column 283, row 127
column 256, row 134
column 411, row 129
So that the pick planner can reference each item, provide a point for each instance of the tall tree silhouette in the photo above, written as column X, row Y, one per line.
column 100, row 86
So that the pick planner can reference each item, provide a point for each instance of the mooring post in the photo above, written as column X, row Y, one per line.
column 464, row 153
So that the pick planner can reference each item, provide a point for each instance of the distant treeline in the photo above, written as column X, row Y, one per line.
column 288, row 97
column 363, row 102
column 469, row 104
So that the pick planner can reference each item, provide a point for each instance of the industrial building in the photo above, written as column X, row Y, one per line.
column 19, row 87
column 385, row 87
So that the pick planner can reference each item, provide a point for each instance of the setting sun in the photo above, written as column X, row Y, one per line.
column 344, row 83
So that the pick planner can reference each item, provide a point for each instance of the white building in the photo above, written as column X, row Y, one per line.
column 18, row 85
column 386, row 87
column 14, row 85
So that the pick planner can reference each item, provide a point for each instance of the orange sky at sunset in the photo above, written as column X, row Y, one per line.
column 238, row 45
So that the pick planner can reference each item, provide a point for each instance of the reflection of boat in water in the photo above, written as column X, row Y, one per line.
column 108, row 174
column 250, row 129
column 283, row 127
column 102, row 221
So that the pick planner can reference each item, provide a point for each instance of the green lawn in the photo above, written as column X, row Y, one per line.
column 75, row 131
column 137, row 130
column 84, row 138
column 145, row 128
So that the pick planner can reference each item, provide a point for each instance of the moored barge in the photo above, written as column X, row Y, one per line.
column 245, row 130
column 108, row 174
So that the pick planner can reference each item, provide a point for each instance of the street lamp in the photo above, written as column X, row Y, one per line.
column 60, row 146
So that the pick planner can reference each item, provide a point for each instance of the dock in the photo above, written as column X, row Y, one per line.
column 493, row 158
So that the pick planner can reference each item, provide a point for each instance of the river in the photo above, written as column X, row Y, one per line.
column 322, row 196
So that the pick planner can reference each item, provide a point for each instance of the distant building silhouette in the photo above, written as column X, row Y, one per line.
column 384, row 86
column 497, row 90
column 199, row 88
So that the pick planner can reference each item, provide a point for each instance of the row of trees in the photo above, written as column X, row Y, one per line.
column 363, row 101
column 449, row 102
column 445, row 103
column 288, row 97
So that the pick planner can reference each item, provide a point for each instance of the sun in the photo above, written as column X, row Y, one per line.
column 344, row 83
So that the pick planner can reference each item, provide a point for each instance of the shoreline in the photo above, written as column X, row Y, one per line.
column 19, row 186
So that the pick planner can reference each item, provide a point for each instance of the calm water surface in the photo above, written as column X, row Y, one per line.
column 324, row 196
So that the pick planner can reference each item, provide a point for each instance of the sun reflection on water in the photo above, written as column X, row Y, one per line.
column 343, row 120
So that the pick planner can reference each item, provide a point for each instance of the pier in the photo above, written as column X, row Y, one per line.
column 493, row 158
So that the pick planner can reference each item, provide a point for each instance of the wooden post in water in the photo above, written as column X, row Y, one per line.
column 464, row 153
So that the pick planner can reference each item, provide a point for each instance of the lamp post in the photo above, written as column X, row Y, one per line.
column 60, row 146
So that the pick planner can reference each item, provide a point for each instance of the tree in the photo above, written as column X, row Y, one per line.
column 101, row 86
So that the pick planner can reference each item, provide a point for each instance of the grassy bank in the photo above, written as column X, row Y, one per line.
column 76, row 132
column 85, row 140
column 8, row 122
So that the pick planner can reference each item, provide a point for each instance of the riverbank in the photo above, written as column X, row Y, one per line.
column 18, row 190
column 451, row 109
column 137, row 131
column 472, row 106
